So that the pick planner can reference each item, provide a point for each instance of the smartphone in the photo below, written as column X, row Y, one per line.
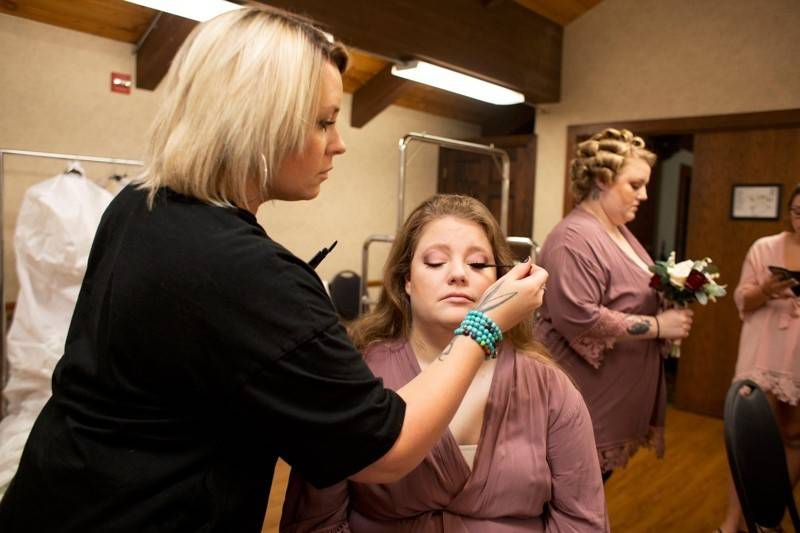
column 784, row 274
column 781, row 272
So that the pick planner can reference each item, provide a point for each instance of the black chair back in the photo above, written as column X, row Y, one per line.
column 757, row 458
column 344, row 288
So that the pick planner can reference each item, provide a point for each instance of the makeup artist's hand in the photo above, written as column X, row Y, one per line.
column 515, row 296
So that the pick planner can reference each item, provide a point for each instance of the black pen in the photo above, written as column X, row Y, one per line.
column 319, row 256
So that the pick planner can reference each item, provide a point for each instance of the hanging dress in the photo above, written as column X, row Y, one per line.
column 55, row 228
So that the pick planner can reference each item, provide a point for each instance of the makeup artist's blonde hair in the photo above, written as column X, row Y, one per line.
column 240, row 96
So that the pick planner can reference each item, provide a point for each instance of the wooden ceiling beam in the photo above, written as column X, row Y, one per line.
column 159, row 47
column 561, row 11
column 383, row 89
column 380, row 91
column 112, row 19
column 490, row 3
column 509, row 120
column 506, row 44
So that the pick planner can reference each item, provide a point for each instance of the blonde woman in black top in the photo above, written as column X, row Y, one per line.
column 200, row 349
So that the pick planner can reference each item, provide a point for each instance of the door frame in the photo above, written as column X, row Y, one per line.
column 785, row 118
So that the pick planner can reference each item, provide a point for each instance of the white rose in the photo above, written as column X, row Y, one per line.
column 679, row 273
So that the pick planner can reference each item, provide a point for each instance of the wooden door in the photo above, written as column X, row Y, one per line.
column 684, row 197
column 708, row 356
column 478, row 176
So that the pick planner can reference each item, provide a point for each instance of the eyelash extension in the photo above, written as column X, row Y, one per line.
column 479, row 266
column 488, row 265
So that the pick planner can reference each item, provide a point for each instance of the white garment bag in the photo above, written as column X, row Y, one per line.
column 55, row 228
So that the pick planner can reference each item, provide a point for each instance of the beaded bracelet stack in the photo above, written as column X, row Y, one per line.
column 482, row 329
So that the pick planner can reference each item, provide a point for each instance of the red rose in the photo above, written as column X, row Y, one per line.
column 655, row 281
column 695, row 280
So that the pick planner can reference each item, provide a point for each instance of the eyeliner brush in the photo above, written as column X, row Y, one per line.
column 486, row 265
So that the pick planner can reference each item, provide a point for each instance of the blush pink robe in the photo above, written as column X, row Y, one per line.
column 592, row 287
column 535, row 468
column 769, row 345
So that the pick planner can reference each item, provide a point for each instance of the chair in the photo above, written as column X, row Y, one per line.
column 757, row 459
column 344, row 288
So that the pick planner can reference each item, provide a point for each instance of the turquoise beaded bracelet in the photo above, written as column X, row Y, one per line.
column 482, row 329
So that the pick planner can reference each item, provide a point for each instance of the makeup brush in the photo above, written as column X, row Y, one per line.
column 319, row 256
column 487, row 265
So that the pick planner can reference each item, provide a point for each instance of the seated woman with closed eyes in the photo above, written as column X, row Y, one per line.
column 519, row 454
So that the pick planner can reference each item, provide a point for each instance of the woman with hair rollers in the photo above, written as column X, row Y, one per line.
column 600, row 318
column 769, row 343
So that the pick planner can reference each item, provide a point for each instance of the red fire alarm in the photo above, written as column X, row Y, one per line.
column 120, row 83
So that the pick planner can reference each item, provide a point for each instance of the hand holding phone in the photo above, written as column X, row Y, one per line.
column 784, row 278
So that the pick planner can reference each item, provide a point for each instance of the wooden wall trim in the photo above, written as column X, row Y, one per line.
column 380, row 91
column 784, row 118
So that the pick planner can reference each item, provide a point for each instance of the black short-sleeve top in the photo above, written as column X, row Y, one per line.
column 200, row 351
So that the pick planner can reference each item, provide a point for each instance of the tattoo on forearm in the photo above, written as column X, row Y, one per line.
column 447, row 349
column 490, row 301
column 637, row 325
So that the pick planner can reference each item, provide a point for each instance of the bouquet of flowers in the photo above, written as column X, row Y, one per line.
column 686, row 282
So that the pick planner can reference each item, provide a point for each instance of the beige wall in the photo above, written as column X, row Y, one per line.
column 55, row 97
column 648, row 59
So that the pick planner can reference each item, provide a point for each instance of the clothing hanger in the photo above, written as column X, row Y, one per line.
column 116, row 181
column 74, row 167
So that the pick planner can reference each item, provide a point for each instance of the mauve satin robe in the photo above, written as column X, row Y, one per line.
column 535, row 468
column 592, row 287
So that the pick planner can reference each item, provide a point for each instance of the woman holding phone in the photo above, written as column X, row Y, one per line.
column 769, row 345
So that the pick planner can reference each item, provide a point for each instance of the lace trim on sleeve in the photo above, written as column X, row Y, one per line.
column 601, row 336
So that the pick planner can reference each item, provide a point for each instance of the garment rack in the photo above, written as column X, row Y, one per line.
column 45, row 155
column 504, row 166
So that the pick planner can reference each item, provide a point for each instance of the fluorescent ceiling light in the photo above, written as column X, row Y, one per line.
column 455, row 82
column 200, row 10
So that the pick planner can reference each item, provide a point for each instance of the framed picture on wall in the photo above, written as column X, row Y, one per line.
column 756, row 202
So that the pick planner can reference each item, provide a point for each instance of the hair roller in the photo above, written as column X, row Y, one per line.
column 601, row 156
column 587, row 148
